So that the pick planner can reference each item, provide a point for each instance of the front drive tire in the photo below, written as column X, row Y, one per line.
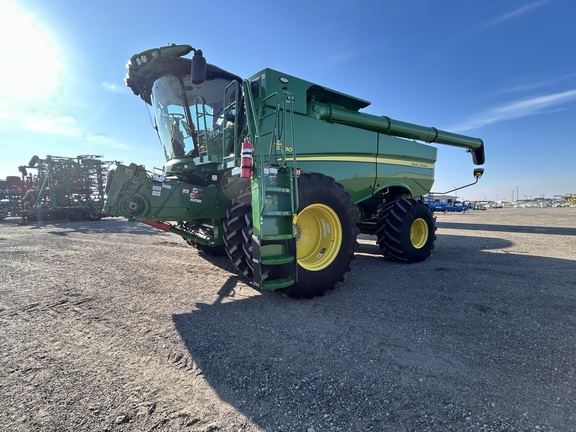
column 406, row 231
column 238, row 222
column 326, row 234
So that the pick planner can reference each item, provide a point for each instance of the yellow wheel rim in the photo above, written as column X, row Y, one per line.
column 318, row 235
column 419, row 233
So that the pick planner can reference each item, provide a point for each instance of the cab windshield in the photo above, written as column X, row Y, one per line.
column 188, row 117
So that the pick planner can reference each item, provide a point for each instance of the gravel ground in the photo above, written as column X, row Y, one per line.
column 113, row 326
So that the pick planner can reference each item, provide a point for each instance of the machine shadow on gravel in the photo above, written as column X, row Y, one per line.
column 509, row 228
column 473, row 337
column 110, row 226
column 444, row 243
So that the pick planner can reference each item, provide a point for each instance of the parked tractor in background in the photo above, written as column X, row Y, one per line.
column 279, row 173
column 63, row 188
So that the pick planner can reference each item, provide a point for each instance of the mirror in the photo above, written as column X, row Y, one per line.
column 198, row 72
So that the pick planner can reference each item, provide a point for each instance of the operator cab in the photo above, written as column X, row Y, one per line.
column 190, row 118
column 197, row 107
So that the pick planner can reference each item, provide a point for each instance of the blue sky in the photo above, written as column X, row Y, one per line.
column 504, row 71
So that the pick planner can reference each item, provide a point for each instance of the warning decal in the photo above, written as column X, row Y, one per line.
column 196, row 195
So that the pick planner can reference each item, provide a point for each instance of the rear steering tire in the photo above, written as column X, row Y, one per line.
column 406, row 231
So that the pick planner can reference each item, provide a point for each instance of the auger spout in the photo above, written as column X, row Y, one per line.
column 389, row 126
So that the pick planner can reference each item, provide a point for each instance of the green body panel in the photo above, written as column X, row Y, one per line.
column 404, row 163
column 347, row 154
column 336, row 107
column 271, row 81
column 364, row 162
column 136, row 195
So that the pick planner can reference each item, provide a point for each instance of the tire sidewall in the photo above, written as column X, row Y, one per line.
column 394, row 230
column 316, row 188
column 419, row 211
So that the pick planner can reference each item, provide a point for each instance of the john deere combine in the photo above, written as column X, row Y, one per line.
column 279, row 173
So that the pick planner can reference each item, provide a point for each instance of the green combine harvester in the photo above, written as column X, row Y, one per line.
column 279, row 173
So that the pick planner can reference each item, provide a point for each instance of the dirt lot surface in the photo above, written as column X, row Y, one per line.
column 113, row 326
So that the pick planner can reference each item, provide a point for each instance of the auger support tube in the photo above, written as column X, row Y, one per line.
column 388, row 126
column 477, row 174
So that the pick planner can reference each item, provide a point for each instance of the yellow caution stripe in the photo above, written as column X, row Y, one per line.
column 365, row 159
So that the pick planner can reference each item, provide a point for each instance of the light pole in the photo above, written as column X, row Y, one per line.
column 517, row 196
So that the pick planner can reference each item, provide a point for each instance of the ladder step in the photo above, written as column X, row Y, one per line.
column 277, row 237
column 277, row 213
column 277, row 259
column 274, row 284
column 277, row 189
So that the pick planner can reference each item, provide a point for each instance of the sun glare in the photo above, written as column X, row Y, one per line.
column 29, row 65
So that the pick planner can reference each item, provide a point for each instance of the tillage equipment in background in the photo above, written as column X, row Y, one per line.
column 63, row 188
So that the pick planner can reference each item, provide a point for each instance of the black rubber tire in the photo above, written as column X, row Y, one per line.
column 247, row 232
column 394, row 227
column 315, row 188
column 238, row 222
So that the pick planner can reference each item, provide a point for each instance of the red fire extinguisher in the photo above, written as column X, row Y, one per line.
column 247, row 160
